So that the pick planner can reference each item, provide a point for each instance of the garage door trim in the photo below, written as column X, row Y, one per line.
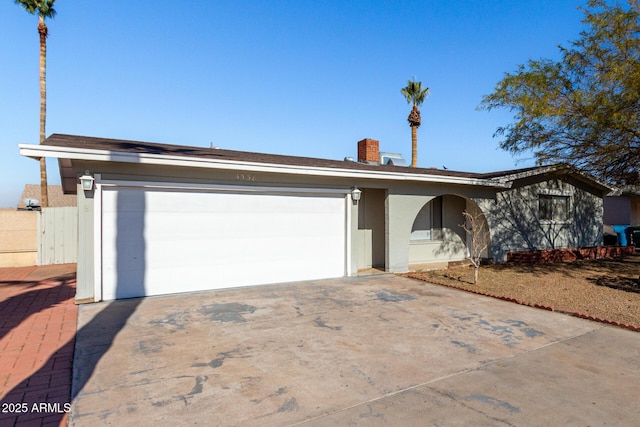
column 101, row 185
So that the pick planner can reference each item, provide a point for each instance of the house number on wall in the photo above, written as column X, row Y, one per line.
column 245, row 177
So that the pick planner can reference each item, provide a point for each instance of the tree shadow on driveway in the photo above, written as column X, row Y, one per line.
column 18, row 308
column 52, row 384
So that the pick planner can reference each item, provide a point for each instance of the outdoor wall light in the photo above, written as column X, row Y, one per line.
column 355, row 194
column 87, row 181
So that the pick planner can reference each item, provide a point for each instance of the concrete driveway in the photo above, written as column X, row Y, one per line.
column 374, row 351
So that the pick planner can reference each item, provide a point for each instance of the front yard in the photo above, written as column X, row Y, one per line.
column 607, row 289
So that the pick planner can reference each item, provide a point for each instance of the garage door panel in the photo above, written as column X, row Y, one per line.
column 175, row 241
column 244, row 252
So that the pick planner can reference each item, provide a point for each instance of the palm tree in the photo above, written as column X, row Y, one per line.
column 415, row 95
column 44, row 9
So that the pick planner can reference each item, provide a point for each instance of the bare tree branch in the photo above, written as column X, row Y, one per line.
column 475, row 224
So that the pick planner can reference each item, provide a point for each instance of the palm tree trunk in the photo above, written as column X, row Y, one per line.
column 414, row 146
column 42, row 30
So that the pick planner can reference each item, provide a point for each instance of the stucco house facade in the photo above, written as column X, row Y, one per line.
column 164, row 218
column 623, row 207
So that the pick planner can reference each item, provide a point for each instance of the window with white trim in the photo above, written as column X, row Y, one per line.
column 428, row 222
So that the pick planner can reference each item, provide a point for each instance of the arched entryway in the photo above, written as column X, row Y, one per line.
column 437, row 237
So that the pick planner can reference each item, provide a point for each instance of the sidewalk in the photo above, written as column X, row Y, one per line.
column 38, row 322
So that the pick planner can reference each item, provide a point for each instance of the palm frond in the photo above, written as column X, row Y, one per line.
column 414, row 93
column 43, row 8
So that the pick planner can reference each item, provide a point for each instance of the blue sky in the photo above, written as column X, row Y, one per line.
column 307, row 78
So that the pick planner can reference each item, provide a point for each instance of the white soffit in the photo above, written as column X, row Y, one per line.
column 37, row 151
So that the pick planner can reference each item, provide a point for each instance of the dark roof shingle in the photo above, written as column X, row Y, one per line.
column 118, row 145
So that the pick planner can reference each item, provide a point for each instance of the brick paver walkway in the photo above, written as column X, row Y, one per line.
column 38, row 322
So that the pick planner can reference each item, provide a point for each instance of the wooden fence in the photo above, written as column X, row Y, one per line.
column 58, row 236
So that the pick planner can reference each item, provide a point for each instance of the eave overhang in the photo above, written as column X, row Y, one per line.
column 581, row 176
column 67, row 154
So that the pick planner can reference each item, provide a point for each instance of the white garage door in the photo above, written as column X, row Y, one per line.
column 162, row 241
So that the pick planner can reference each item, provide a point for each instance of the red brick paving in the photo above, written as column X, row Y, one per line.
column 38, row 321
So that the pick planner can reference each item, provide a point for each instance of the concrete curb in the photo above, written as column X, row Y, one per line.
column 528, row 304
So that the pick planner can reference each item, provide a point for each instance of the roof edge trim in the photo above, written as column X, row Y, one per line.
column 37, row 151
column 595, row 182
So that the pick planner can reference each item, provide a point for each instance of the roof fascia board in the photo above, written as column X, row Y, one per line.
column 37, row 151
column 606, row 188
column 519, row 175
column 547, row 169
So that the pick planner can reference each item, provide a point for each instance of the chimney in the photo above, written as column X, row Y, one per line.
column 369, row 151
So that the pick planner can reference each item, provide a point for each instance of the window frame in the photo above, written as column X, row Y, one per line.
column 548, row 212
column 435, row 220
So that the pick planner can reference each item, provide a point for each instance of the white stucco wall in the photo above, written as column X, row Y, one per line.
column 511, row 215
column 452, row 244
column 401, row 212
column 85, row 272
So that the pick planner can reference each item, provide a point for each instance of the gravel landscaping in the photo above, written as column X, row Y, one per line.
column 605, row 289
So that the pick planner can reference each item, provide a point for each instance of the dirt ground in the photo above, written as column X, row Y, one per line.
column 607, row 289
